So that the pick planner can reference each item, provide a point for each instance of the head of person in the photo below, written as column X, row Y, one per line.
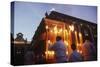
column 73, row 46
column 87, row 39
column 58, row 38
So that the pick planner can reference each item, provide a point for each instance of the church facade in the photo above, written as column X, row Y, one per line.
column 71, row 29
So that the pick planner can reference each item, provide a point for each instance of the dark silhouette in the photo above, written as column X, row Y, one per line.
column 39, row 51
column 89, row 50
column 19, row 37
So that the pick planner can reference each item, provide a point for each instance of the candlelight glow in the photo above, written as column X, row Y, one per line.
column 49, row 42
column 51, row 31
column 66, row 32
column 46, row 27
column 78, row 44
column 78, row 51
column 80, row 35
column 67, row 38
column 80, row 38
column 66, row 43
column 81, row 52
column 50, row 54
column 46, row 52
column 53, row 53
column 60, row 30
column 76, row 38
column 71, row 27
column 55, row 30
column 67, row 52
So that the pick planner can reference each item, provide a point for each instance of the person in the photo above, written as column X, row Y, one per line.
column 60, row 50
column 89, row 51
column 75, row 56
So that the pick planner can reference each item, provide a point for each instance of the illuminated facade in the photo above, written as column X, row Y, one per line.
column 71, row 29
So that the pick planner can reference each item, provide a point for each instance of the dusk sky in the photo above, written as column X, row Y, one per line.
column 28, row 15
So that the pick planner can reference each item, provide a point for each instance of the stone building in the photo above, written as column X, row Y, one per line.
column 71, row 29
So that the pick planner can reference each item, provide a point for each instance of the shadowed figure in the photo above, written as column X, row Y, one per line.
column 75, row 56
column 89, row 51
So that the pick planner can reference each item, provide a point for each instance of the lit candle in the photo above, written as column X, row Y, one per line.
column 76, row 38
column 80, row 37
column 81, row 41
column 71, row 27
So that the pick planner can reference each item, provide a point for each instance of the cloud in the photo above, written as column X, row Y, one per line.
column 52, row 9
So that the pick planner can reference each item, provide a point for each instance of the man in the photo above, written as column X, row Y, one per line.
column 75, row 56
column 60, row 50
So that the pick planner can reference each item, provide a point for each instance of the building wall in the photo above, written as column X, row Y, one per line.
column 70, row 31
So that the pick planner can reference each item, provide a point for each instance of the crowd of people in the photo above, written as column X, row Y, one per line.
column 88, row 52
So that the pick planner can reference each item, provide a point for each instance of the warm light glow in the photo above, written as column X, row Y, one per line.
column 60, row 30
column 46, row 27
column 75, row 32
column 66, row 32
column 80, row 35
column 78, row 44
column 69, row 38
column 49, row 54
column 80, row 38
column 55, row 30
column 71, row 27
column 78, row 51
column 51, row 31
column 81, row 52
column 76, row 37
column 49, row 42
column 66, row 43
column 46, row 52
column 19, row 42
column 53, row 53
column 67, row 52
